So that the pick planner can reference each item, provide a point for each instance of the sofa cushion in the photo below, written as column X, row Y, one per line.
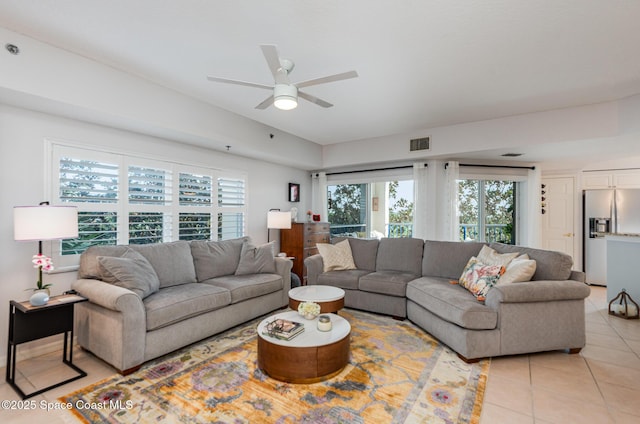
column 447, row 259
column 89, row 266
column 550, row 265
column 172, row 262
column 176, row 303
column 451, row 303
column 247, row 286
column 520, row 269
column 256, row 259
column 400, row 254
column 489, row 256
column 343, row 279
column 479, row 278
column 131, row 271
column 364, row 253
column 336, row 257
column 216, row 258
column 391, row 283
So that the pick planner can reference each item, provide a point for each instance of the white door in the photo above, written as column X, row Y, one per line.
column 558, row 219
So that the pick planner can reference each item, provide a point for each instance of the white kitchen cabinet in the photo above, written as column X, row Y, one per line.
column 611, row 179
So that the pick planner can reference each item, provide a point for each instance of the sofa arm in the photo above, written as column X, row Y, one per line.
column 283, row 268
column 578, row 276
column 537, row 291
column 112, row 325
column 315, row 267
column 109, row 296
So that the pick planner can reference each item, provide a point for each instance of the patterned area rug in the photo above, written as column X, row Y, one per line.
column 397, row 374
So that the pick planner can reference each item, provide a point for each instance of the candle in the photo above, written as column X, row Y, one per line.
column 324, row 323
column 631, row 310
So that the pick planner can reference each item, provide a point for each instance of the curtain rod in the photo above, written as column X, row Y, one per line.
column 371, row 170
column 493, row 166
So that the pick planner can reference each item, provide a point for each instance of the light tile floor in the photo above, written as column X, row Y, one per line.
column 599, row 385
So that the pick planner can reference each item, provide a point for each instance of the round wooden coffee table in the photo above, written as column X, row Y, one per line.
column 330, row 299
column 309, row 357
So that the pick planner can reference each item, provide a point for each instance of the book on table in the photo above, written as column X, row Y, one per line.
column 283, row 329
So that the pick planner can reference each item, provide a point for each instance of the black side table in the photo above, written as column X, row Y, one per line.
column 28, row 323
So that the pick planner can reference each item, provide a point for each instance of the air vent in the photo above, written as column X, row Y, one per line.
column 511, row 155
column 416, row 144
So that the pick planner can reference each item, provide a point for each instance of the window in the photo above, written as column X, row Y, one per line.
column 195, row 194
column 162, row 201
column 374, row 209
column 487, row 210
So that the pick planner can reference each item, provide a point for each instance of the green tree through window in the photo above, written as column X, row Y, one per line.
column 487, row 210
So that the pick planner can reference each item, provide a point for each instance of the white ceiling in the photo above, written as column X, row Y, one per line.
column 422, row 63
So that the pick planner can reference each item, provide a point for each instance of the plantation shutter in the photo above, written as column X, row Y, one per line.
column 88, row 184
column 231, row 197
column 195, row 192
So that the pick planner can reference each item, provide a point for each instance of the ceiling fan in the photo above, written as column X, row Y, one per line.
column 285, row 94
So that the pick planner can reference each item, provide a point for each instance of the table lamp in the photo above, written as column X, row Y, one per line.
column 277, row 220
column 44, row 222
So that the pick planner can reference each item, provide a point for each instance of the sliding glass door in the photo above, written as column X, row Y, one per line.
column 371, row 209
column 487, row 210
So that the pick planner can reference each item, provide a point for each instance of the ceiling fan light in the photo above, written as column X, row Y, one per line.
column 285, row 97
column 285, row 103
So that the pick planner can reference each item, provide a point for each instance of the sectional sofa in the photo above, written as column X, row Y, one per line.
column 149, row 300
column 412, row 278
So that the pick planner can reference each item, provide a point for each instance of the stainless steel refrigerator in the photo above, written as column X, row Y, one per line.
column 606, row 211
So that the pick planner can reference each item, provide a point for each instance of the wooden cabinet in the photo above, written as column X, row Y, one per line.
column 300, row 241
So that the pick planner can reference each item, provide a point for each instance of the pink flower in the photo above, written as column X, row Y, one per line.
column 43, row 261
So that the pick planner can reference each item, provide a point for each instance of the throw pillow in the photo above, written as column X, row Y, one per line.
column 489, row 256
column 336, row 257
column 257, row 259
column 479, row 278
column 519, row 270
column 131, row 271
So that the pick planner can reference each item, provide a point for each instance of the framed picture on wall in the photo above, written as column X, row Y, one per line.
column 294, row 192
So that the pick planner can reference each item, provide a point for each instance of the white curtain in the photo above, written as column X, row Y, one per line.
column 452, row 174
column 533, row 220
column 319, row 195
column 420, row 201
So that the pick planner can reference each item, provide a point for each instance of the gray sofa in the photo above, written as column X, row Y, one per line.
column 411, row 278
column 149, row 300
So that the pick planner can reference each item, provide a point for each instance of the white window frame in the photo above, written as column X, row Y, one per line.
column 55, row 149
column 369, row 177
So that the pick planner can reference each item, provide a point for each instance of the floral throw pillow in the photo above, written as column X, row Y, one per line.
column 479, row 278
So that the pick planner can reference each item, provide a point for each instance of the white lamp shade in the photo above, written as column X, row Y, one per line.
column 44, row 222
column 278, row 219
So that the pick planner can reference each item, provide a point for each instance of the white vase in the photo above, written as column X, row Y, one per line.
column 39, row 297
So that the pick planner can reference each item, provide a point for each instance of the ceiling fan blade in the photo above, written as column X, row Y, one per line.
column 270, row 53
column 324, row 80
column 237, row 82
column 266, row 103
column 314, row 99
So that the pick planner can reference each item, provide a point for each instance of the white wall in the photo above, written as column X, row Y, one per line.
column 22, row 163
column 56, row 81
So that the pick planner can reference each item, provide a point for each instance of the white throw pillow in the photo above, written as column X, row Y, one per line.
column 521, row 269
column 336, row 257
column 489, row 256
